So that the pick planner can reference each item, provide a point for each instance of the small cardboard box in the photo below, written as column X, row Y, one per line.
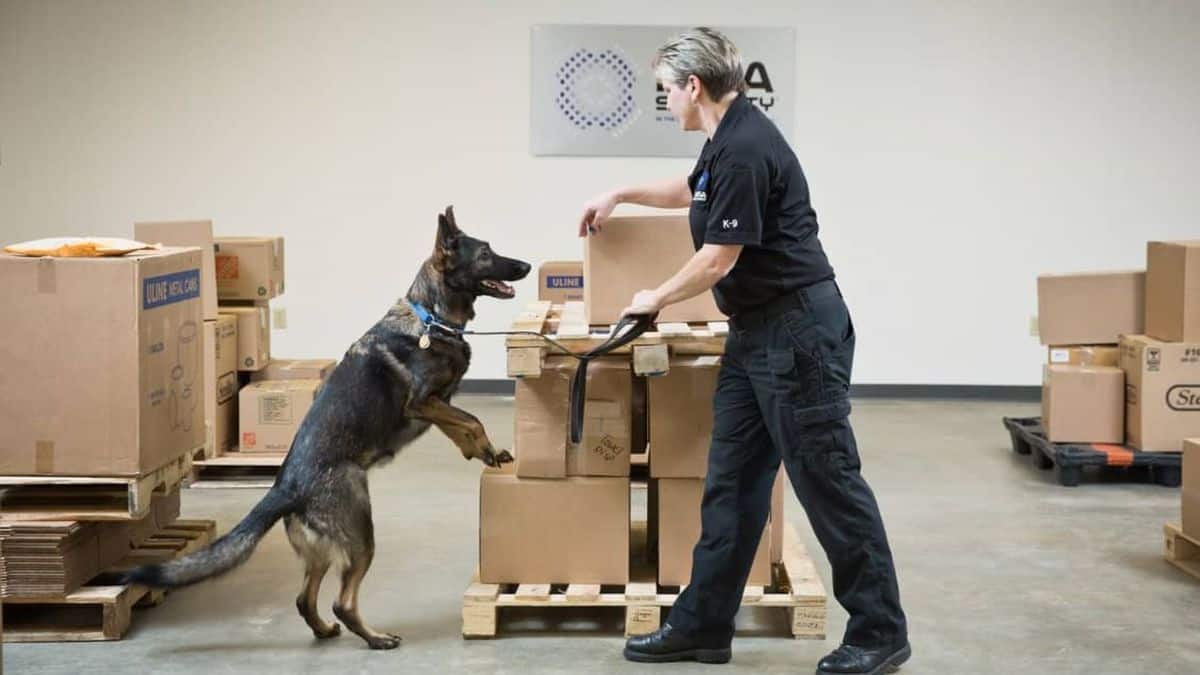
column 542, row 443
column 1173, row 290
column 101, row 363
column 1092, row 308
column 1086, row 355
column 561, row 281
column 249, row 268
column 1083, row 404
column 680, row 416
column 1191, row 488
column 295, row 369
column 270, row 413
column 1162, row 392
column 572, row 530
column 220, row 385
column 635, row 253
column 678, row 503
column 254, row 335
column 197, row 233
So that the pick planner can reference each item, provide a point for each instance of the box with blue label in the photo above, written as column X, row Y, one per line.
column 101, row 363
column 561, row 281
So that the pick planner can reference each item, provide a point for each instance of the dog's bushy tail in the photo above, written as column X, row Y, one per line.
column 222, row 555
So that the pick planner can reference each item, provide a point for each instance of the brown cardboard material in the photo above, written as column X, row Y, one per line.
column 1091, row 308
column 777, row 516
column 1162, row 392
column 1190, row 488
column 249, row 268
column 633, row 253
column 270, row 413
column 101, row 363
column 679, row 530
column 254, row 335
column 1085, row 355
column 680, row 417
column 561, row 281
column 542, row 445
column 1173, row 290
column 188, row 233
column 220, row 385
column 574, row 530
column 295, row 369
column 1083, row 404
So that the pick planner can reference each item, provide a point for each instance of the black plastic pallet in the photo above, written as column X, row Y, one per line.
column 1070, row 460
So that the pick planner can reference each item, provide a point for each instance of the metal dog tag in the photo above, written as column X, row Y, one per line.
column 423, row 343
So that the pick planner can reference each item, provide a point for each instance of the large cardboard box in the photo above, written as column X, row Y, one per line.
column 1191, row 488
column 679, row 530
column 542, row 440
column 254, row 335
column 1173, row 290
column 573, row 530
column 101, row 363
column 197, row 233
column 249, row 268
column 1083, row 404
column 295, row 369
column 561, row 281
column 220, row 385
column 680, row 417
column 635, row 253
column 1086, row 355
column 1162, row 392
column 1091, row 308
column 270, row 413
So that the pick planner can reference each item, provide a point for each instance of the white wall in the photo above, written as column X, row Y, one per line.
column 955, row 149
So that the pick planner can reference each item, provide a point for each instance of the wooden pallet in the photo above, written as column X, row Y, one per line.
column 90, row 498
column 796, row 589
column 102, row 612
column 567, row 325
column 1181, row 550
column 238, row 470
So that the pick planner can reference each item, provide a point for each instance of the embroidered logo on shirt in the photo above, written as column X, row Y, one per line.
column 701, row 185
column 729, row 224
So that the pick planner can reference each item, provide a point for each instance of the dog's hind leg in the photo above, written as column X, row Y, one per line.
column 316, row 554
column 357, row 544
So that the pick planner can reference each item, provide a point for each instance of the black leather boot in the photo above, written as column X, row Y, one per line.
column 667, row 644
column 849, row 659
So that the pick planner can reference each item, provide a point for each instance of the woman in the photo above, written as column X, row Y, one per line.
column 783, row 390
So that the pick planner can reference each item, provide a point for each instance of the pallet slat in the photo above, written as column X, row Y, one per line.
column 1181, row 550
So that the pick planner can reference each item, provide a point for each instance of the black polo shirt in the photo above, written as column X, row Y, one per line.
column 747, row 188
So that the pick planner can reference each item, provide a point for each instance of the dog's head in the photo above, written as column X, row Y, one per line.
column 469, row 265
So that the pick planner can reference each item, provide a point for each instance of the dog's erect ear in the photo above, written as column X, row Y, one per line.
column 447, row 235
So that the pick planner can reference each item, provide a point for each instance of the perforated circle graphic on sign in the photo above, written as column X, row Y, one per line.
column 595, row 90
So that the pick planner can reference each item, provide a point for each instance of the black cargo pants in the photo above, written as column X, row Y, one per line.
column 783, row 393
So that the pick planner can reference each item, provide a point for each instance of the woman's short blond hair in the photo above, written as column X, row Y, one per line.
column 708, row 55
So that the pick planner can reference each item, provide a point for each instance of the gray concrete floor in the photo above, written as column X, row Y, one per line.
column 1001, row 571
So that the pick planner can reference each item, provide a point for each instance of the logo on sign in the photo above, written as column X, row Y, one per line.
column 595, row 91
column 759, row 90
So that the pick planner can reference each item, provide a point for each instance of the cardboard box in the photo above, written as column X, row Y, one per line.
column 1091, row 308
column 1190, row 488
column 1086, row 355
column 1173, row 290
column 197, row 233
column 249, row 268
column 680, row 417
column 1083, row 404
column 1162, row 392
column 220, row 385
column 679, row 530
column 254, row 335
column 561, row 281
column 778, row 521
column 295, row 369
column 635, row 253
column 542, row 439
column 574, row 530
column 270, row 413
column 101, row 363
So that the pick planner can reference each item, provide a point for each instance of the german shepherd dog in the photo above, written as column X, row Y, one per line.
column 391, row 385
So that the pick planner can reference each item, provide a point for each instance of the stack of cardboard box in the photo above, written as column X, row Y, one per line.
column 1191, row 489
column 1124, row 352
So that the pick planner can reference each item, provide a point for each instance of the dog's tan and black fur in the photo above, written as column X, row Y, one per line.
column 383, row 394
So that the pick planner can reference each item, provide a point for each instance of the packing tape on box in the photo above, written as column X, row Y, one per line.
column 43, row 457
column 47, row 276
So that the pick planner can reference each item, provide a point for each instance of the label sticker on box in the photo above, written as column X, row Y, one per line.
column 227, row 266
column 1060, row 356
column 275, row 409
column 169, row 289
